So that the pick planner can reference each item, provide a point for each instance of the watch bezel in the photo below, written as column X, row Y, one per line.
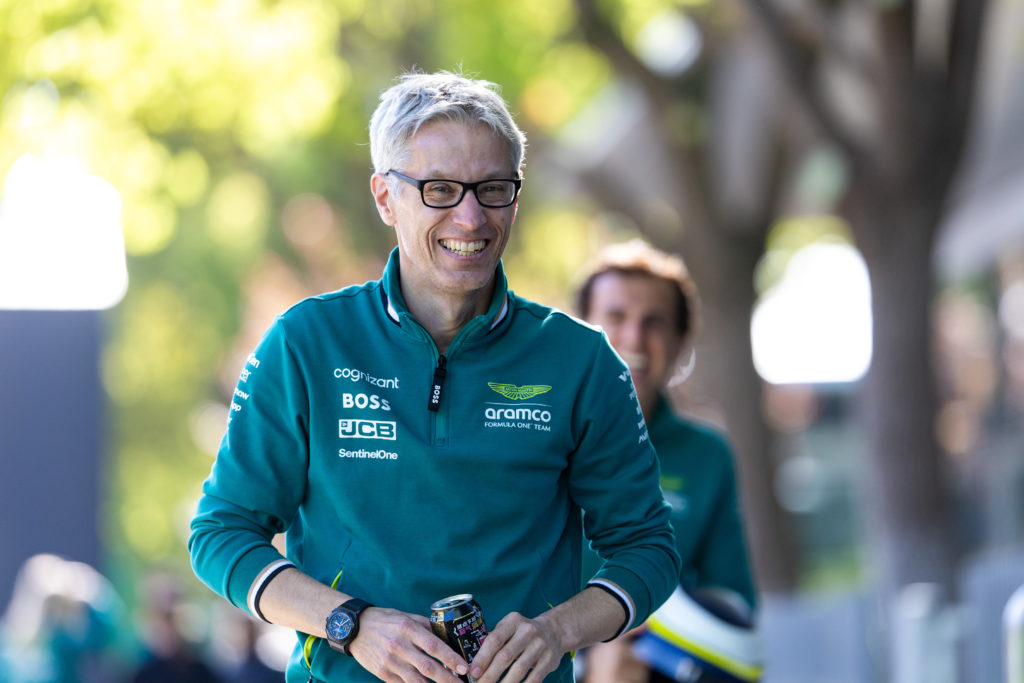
column 342, row 624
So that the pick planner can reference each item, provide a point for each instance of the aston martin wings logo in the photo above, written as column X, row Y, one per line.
column 519, row 393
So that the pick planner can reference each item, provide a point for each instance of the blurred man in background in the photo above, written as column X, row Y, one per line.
column 646, row 302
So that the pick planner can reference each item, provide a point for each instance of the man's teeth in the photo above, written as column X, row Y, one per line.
column 635, row 361
column 464, row 248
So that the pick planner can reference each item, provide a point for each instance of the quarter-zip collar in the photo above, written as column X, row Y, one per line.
column 477, row 328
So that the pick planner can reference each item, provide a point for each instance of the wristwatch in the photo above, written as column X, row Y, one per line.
column 343, row 624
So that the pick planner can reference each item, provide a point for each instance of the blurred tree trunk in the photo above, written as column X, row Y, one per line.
column 889, row 86
column 730, row 372
column 721, row 241
column 907, row 70
column 907, row 490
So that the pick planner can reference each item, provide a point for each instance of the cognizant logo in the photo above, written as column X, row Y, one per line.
column 358, row 375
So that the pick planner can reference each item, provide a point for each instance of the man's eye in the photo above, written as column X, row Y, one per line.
column 657, row 324
column 439, row 189
column 612, row 318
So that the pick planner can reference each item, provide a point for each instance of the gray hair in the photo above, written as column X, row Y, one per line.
column 420, row 98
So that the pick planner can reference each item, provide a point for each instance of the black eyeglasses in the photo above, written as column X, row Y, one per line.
column 439, row 193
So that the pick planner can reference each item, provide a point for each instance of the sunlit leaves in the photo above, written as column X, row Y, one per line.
column 149, row 225
column 186, row 177
column 237, row 212
column 158, row 353
column 390, row 19
column 569, row 77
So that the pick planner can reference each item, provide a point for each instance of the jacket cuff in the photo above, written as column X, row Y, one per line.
column 624, row 600
column 630, row 589
column 245, row 572
column 261, row 583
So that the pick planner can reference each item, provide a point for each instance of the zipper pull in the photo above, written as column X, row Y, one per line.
column 434, row 404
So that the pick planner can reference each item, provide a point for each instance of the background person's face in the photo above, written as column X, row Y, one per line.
column 453, row 251
column 638, row 313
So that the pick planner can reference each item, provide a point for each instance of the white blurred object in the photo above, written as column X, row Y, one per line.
column 61, row 245
column 925, row 636
column 46, row 581
column 1013, row 636
column 669, row 43
column 815, row 325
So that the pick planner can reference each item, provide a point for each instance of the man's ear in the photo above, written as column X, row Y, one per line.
column 381, row 192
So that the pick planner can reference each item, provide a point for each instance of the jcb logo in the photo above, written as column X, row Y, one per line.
column 366, row 429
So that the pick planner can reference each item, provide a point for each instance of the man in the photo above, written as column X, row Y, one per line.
column 645, row 301
column 431, row 434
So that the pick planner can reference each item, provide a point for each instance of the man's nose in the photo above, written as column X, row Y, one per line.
column 468, row 212
column 630, row 336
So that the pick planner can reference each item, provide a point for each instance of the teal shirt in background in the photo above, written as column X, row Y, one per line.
column 698, row 480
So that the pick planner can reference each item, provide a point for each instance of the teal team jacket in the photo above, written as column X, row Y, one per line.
column 331, row 439
column 698, row 480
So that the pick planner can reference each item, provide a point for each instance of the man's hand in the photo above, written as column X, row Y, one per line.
column 529, row 649
column 400, row 647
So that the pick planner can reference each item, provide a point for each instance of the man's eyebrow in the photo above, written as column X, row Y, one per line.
column 435, row 174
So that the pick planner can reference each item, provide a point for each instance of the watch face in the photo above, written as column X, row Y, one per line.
column 340, row 625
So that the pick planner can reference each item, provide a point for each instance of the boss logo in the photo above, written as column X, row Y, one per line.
column 373, row 402
column 366, row 429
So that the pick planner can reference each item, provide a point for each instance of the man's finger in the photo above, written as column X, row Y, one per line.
column 441, row 655
column 395, row 645
column 493, row 643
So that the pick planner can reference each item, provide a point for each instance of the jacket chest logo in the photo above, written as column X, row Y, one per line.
column 519, row 393
column 533, row 416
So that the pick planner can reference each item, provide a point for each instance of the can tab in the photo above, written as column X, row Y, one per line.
column 434, row 403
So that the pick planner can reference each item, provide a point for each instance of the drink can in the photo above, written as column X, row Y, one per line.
column 459, row 621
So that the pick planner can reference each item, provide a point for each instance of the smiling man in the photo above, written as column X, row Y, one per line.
column 430, row 434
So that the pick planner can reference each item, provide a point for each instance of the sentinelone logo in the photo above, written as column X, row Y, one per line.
column 370, row 455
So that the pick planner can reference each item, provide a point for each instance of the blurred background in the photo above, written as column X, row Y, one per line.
column 845, row 179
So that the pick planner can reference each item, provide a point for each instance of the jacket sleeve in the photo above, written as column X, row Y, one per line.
column 614, row 479
column 258, row 479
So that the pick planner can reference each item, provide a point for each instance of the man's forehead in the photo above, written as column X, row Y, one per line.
column 449, row 149
column 633, row 291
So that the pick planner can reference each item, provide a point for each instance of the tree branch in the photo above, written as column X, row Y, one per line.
column 796, row 68
column 660, row 93
column 603, row 36
column 966, row 28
